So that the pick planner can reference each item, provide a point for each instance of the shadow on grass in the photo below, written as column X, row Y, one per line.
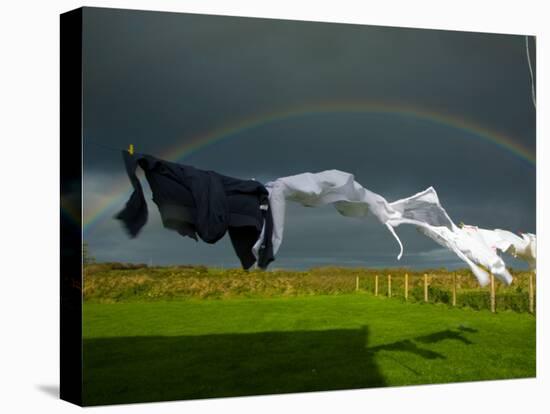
column 409, row 345
column 161, row 368
column 446, row 334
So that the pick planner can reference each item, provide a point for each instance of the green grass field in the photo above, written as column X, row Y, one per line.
column 191, row 348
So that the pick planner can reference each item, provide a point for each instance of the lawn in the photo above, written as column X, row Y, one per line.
column 192, row 348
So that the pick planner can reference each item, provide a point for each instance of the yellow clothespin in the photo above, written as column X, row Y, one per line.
column 131, row 149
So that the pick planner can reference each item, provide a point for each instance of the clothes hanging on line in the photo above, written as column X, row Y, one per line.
column 422, row 210
column 207, row 204
column 523, row 248
column 202, row 204
column 327, row 187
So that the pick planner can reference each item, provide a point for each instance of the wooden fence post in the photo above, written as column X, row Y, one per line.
column 492, row 293
column 357, row 283
column 425, row 287
column 376, row 285
column 406, row 286
column 454, row 289
column 531, row 294
column 389, row 286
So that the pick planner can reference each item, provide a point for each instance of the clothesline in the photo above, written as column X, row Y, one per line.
column 103, row 146
column 207, row 204
column 107, row 147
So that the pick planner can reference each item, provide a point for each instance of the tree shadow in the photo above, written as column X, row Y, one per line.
column 161, row 368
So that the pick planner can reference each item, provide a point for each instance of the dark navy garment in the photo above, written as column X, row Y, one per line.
column 201, row 203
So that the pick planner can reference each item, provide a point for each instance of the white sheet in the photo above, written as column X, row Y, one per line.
column 476, row 247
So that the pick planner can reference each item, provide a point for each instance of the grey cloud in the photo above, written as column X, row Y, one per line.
column 159, row 80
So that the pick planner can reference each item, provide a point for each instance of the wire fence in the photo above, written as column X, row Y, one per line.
column 454, row 290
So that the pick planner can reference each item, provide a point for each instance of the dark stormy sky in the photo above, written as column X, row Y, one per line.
column 159, row 80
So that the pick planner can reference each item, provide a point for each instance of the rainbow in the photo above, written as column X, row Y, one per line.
column 120, row 189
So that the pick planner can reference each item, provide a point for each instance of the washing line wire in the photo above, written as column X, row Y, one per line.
column 533, row 96
column 107, row 147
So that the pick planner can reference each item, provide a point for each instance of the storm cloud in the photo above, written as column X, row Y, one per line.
column 160, row 80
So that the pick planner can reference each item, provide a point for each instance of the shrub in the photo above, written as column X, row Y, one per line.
column 113, row 282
